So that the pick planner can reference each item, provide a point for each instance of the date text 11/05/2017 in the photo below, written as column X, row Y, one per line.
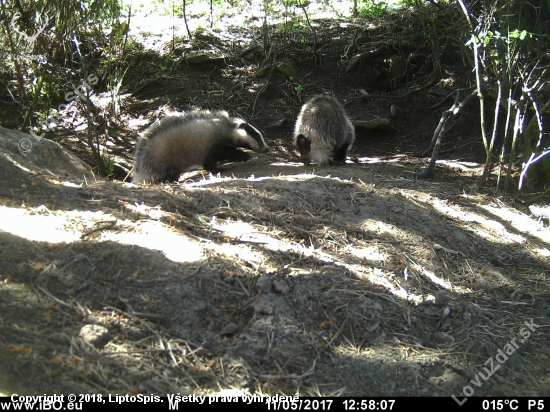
column 293, row 404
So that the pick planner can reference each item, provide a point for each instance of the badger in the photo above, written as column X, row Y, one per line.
column 177, row 144
column 323, row 131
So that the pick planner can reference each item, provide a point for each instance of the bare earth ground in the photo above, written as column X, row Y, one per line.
column 272, row 277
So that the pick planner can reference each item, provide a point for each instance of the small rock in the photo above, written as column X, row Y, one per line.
column 198, row 58
column 95, row 335
column 265, row 323
column 264, row 284
column 287, row 70
column 213, row 327
column 461, row 371
column 443, row 338
column 281, row 286
column 210, row 349
column 381, row 124
column 264, row 306
column 135, row 333
column 60, row 339
column 262, row 72
column 374, row 327
column 430, row 299
column 229, row 330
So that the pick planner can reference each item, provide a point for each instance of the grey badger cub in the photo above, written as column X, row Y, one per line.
column 323, row 131
column 177, row 144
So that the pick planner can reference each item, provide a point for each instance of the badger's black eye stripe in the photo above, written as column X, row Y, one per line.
column 251, row 131
column 254, row 133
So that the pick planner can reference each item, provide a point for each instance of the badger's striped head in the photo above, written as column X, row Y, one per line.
column 304, row 147
column 251, row 136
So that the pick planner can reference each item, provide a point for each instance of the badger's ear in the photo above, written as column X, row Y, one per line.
column 238, row 123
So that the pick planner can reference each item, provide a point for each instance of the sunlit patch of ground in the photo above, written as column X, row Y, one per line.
column 156, row 31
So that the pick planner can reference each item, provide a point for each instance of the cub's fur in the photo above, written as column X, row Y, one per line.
column 323, row 131
column 177, row 144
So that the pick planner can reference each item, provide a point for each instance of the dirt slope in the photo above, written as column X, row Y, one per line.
column 354, row 280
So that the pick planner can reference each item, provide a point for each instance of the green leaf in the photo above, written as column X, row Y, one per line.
column 516, row 34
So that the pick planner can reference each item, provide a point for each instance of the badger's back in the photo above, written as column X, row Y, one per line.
column 326, row 128
column 177, row 144
column 170, row 146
